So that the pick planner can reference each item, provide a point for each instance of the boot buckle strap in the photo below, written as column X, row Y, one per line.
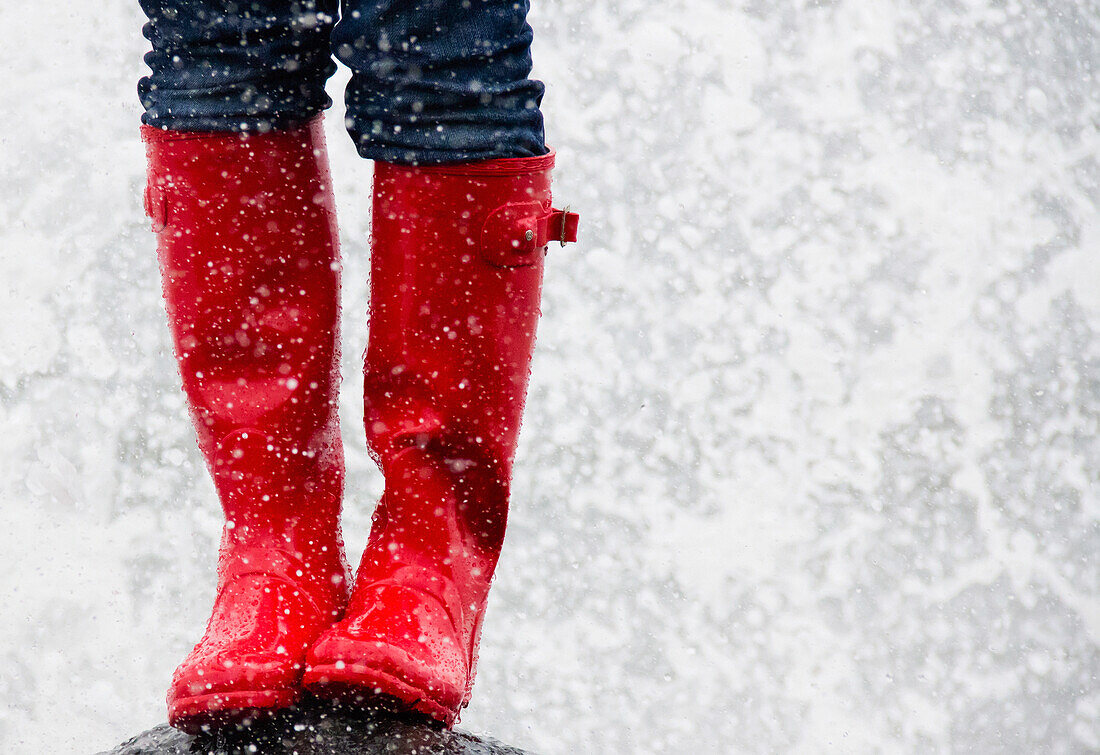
column 513, row 234
column 156, row 206
column 561, row 226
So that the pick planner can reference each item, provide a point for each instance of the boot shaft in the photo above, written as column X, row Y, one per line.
column 249, row 261
column 456, row 280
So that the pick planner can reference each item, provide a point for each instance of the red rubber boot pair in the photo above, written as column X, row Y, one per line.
column 249, row 257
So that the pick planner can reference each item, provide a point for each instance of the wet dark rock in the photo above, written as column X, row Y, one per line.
column 318, row 728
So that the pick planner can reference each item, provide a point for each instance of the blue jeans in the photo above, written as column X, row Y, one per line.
column 433, row 81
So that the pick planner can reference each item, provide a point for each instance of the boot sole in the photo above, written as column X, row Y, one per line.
column 219, row 709
column 364, row 687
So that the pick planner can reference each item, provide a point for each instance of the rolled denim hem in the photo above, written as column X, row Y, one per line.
column 429, row 141
column 397, row 156
column 236, row 124
column 440, row 81
column 221, row 66
column 478, row 135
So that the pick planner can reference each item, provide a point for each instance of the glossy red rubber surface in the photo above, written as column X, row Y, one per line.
column 454, row 307
column 248, row 252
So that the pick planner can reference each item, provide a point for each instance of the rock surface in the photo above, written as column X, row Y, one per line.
column 317, row 728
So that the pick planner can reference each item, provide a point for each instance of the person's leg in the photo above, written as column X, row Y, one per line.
column 255, row 65
column 456, row 275
column 440, row 81
column 241, row 199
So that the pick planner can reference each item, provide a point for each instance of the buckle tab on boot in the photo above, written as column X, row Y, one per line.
column 515, row 234
column 561, row 226
column 156, row 206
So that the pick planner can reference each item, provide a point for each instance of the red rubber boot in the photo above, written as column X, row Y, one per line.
column 455, row 287
column 248, row 253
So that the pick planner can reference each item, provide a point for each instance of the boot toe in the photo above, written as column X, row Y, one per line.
column 403, row 645
column 208, row 689
column 203, row 674
column 252, row 654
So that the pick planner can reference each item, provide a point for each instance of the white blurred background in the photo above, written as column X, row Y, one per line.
column 811, row 460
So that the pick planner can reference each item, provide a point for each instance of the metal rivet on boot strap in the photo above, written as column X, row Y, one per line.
column 530, row 235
